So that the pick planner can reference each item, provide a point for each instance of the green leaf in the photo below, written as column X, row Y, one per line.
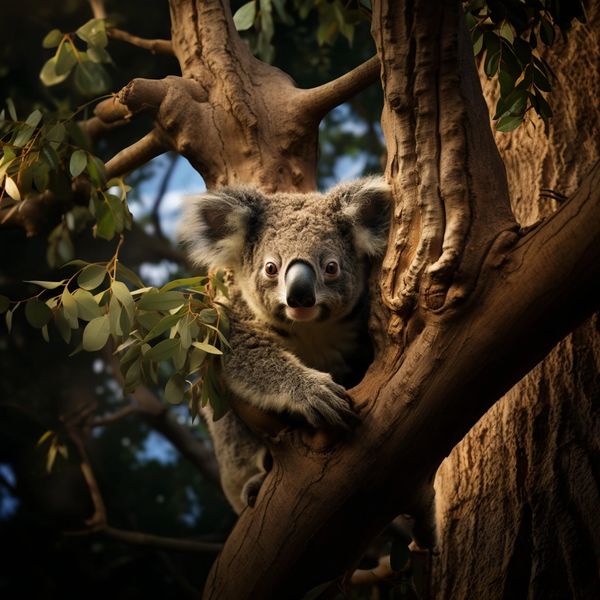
column 128, row 275
column 96, row 170
column 78, row 162
column 64, row 329
column 114, row 317
column 208, row 315
column 88, row 307
column 508, row 123
column 540, row 81
column 48, row 74
column 37, row 313
column 52, row 39
column 163, row 325
column 95, row 334
column 70, row 307
column 94, row 33
column 175, row 389
column 547, row 32
column 134, row 375
column 12, row 111
column 91, row 79
column 50, row 156
column 245, row 16
column 56, row 133
column 49, row 285
column 161, row 300
column 91, row 277
column 98, row 55
column 11, row 188
column 65, row 59
column 163, row 350
column 4, row 304
column 28, row 128
column 9, row 316
column 123, row 295
column 41, row 176
column 207, row 347
column 188, row 281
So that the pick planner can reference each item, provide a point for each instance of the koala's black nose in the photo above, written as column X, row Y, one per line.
column 300, row 279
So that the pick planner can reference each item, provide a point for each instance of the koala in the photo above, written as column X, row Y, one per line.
column 298, row 268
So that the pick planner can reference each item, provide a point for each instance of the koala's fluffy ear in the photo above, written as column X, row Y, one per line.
column 367, row 204
column 214, row 225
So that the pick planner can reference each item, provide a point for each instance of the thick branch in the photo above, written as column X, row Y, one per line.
column 534, row 291
column 154, row 46
column 320, row 100
column 135, row 156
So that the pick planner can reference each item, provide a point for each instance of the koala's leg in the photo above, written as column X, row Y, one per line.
column 243, row 460
column 261, row 372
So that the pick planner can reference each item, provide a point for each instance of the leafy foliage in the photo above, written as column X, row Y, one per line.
column 506, row 34
column 89, row 75
column 335, row 18
column 96, row 307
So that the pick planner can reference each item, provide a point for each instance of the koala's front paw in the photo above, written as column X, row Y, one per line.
column 322, row 402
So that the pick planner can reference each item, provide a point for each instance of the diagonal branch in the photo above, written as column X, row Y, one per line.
column 320, row 100
column 154, row 46
column 136, row 155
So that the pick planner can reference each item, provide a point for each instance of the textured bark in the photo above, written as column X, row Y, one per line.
column 465, row 295
column 518, row 498
column 469, row 302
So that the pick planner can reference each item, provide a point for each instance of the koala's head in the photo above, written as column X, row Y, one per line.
column 295, row 257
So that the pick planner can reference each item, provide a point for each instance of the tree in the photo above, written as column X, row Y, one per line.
column 469, row 301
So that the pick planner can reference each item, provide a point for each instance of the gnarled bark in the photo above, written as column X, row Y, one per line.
column 520, row 492
column 466, row 297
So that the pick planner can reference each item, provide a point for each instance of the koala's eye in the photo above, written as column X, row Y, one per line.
column 271, row 269
column 332, row 268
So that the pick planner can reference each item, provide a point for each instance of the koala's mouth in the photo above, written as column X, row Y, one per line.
column 301, row 313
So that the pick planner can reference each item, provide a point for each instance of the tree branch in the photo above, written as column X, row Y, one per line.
column 154, row 46
column 98, row 9
column 135, row 156
column 159, row 418
column 113, row 417
column 157, row 541
column 320, row 100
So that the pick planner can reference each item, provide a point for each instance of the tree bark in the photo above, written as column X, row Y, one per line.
column 518, row 498
column 465, row 295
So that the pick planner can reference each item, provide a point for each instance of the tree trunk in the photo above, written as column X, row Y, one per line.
column 469, row 302
column 518, row 501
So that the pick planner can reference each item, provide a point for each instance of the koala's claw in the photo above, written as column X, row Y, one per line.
column 326, row 404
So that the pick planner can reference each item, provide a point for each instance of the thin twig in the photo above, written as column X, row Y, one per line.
column 154, row 46
column 113, row 417
column 98, row 9
column 99, row 519
column 157, row 541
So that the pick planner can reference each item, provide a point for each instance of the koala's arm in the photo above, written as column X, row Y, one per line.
column 262, row 373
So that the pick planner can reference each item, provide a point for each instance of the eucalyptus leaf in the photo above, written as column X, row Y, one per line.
column 78, row 162
column 163, row 350
column 52, row 38
column 91, row 277
column 161, row 300
column 37, row 313
column 244, row 17
column 95, row 334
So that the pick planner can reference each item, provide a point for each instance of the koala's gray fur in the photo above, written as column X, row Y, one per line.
column 298, row 335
